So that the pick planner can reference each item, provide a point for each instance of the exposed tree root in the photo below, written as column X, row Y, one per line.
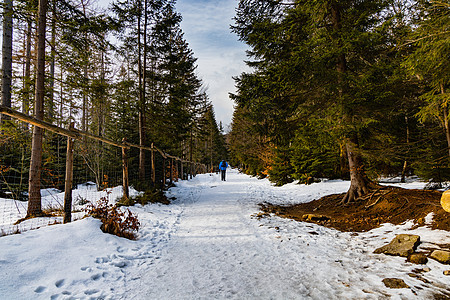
column 360, row 192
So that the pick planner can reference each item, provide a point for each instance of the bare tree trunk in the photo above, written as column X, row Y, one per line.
column 446, row 126
column 34, row 202
column 51, row 104
column 141, row 101
column 7, row 55
column 153, row 167
column 405, row 163
column 359, row 183
column 27, row 79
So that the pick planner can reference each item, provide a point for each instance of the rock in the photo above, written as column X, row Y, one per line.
column 441, row 256
column 419, row 277
column 402, row 245
column 313, row 217
column 447, row 272
column 395, row 283
column 423, row 270
column 445, row 201
column 418, row 258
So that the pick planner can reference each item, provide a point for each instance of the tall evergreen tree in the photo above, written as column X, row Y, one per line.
column 430, row 40
column 34, row 189
column 323, row 61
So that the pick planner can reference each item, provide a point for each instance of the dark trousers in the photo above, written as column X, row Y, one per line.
column 222, row 173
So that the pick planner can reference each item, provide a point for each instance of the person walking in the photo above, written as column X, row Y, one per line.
column 223, row 169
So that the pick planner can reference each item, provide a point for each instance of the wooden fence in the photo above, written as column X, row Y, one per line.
column 74, row 134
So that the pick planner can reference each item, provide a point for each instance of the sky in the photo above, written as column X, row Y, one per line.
column 206, row 24
column 220, row 56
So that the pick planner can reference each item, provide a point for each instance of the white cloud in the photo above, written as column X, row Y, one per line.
column 206, row 24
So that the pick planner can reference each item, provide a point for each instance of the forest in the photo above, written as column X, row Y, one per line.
column 338, row 89
column 343, row 89
column 125, row 72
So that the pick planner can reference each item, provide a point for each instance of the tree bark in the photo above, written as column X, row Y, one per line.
column 141, row 100
column 405, row 163
column 7, row 55
column 51, row 103
column 360, row 184
column 34, row 193
column 27, row 75
column 446, row 125
column 153, row 167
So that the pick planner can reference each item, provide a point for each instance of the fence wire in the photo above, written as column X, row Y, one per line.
column 97, row 173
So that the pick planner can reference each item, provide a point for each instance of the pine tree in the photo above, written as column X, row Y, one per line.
column 431, row 43
column 322, row 60
column 34, row 191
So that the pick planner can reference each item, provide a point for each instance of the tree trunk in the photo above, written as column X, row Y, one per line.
column 7, row 55
column 359, row 182
column 405, row 163
column 141, row 101
column 51, row 103
column 27, row 77
column 446, row 125
column 153, row 167
column 34, row 193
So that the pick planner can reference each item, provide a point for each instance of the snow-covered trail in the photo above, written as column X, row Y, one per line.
column 217, row 252
column 208, row 244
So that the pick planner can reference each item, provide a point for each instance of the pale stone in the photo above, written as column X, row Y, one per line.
column 445, row 201
column 441, row 256
column 402, row 245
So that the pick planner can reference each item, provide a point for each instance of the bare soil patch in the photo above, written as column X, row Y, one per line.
column 385, row 205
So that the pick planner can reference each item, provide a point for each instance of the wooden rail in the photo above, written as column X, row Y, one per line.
column 75, row 134
column 78, row 134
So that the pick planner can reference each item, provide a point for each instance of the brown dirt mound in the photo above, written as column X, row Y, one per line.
column 385, row 205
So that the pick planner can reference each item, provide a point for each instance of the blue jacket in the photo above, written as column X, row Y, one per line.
column 223, row 165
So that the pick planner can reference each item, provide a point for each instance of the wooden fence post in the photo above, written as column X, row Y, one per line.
column 69, row 179
column 182, row 171
column 125, row 187
column 164, row 172
column 171, row 171
column 153, row 167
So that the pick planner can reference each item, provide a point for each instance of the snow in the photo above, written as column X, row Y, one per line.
column 208, row 244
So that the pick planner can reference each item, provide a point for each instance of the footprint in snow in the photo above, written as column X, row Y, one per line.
column 39, row 289
column 91, row 292
column 100, row 260
column 96, row 277
column 59, row 283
